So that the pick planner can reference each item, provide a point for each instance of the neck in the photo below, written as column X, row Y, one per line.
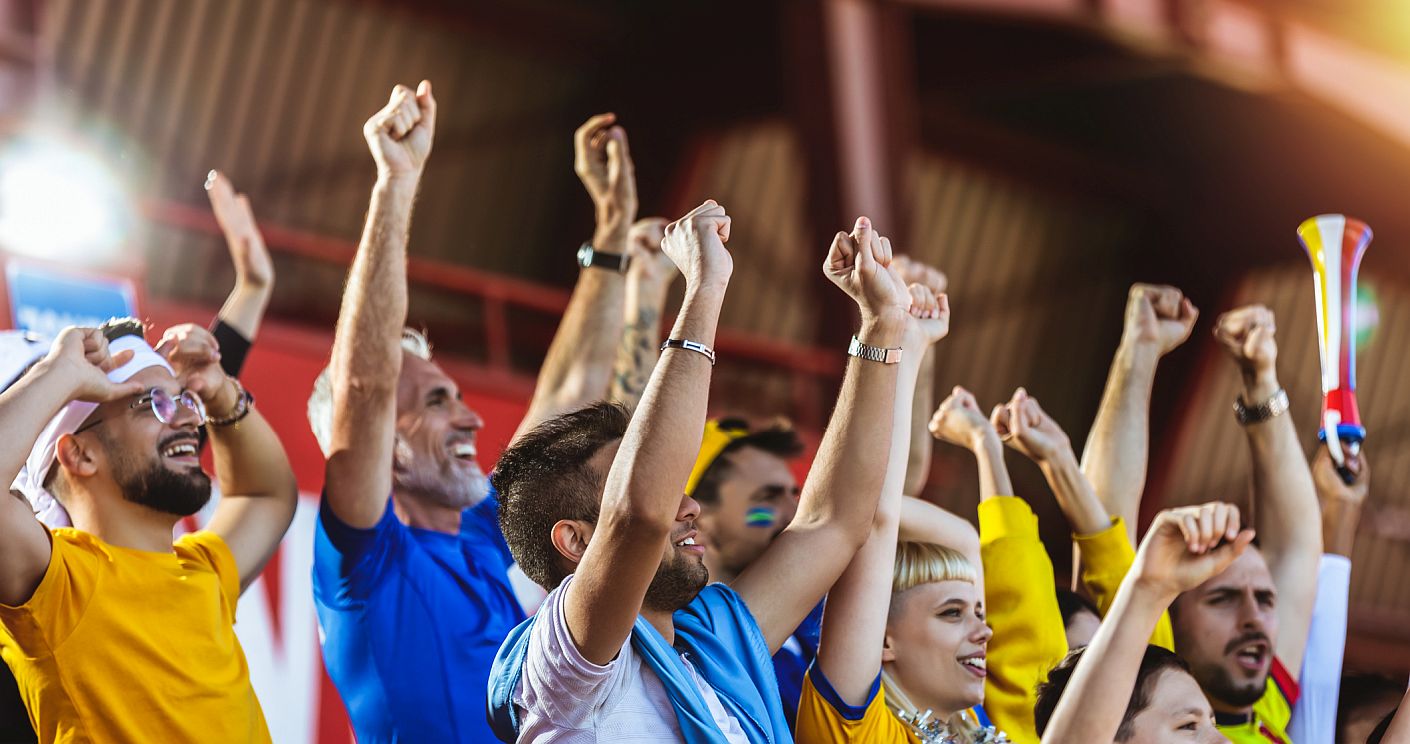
column 718, row 573
column 425, row 515
column 664, row 622
column 1230, row 710
column 938, row 711
column 126, row 525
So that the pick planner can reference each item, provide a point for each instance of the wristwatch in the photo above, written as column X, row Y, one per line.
column 873, row 353
column 1271, row 408
column 589, row 257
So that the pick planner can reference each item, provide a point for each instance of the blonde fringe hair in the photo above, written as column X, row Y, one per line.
column 920, row 563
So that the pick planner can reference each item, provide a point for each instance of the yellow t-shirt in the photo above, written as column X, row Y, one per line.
column 1271, row 713
column 121, row 645
column 1106, row 557
column 824, row 719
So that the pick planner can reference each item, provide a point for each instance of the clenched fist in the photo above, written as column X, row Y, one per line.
column 696, row 245
column 860, row 263
column 959, row 421
column 1186, row 547
column 1158, row 317
column 399, row 135
column 604, row 165
column 1248, row 334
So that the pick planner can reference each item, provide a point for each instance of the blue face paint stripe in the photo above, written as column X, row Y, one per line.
column 760, row 516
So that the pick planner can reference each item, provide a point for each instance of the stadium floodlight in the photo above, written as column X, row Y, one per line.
column 59, row 202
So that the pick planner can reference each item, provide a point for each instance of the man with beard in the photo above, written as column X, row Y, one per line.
column 114, row 632
column 631, row 644
column 1244, row 631
column 411, row 575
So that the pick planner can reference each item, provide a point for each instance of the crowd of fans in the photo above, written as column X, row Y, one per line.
column 690, row 589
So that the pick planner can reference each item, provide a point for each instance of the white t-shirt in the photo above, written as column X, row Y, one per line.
column 563, row 697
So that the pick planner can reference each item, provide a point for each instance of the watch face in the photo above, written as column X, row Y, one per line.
column 585, row 256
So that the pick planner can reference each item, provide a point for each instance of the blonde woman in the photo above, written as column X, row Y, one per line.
column 905, row 648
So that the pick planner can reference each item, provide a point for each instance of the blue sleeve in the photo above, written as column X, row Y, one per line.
column 346, row 560
column 483, row 520
column 829, row 694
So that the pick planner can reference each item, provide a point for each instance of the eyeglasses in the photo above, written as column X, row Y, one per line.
column 163, row 406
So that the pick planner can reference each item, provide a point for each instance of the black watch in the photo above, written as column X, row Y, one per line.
column 589, row 257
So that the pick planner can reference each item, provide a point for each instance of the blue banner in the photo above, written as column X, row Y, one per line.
column 45, row 300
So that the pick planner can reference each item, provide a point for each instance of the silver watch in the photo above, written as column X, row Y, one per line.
column 873, row 353
column 1275, row 406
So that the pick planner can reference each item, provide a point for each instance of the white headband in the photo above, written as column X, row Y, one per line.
column 18, row 350
column 30, row 481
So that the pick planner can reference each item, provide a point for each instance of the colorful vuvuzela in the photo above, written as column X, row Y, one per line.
column 1335, row 243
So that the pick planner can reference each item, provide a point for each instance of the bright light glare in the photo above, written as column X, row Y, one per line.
column 59, row 203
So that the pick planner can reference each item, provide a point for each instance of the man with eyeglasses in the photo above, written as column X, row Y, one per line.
column 114, row 631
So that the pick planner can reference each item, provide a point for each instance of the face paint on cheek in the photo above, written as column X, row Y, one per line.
column 763, row 517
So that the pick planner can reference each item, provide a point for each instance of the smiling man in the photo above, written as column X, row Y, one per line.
column 411, row 575
column 114, row 631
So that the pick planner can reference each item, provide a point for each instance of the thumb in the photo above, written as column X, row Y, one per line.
column 427, row 102
column 866, row 262
column 125, row 389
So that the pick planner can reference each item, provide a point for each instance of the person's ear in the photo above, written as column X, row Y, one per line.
column 570, row 538
column 401, row 455
column 76, row 457
column 888, row 649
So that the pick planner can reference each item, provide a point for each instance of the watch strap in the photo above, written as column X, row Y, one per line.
column 1275, row 406
column 873, row 353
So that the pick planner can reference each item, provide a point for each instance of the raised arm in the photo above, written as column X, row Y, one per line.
column 367, row 350
column 649, row 276
column 578, row 367
column 74, row 369
column 1319, row 686
column 643, row 496
column 1025, row 426
column 918, row 460
column 1182, row 549
column 959, row 421
column 1285, row 506
column 254, row 269
column 839, row 499
column 1158, row 319
column 854, row 620
column 258, row 493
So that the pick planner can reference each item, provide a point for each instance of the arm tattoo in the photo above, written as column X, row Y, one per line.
column 636, row 357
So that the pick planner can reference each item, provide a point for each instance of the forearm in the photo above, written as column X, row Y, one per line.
column 993, row 473
column 578, row 367
column 1114, row 460
column 663, row 438
column 1095, row 700
column 918, row 464
column 1075, row 496
column 244, row 307
column 858, row 432
column 1286, row 511
column 367, row 344
column 849, row 653
column 641, row 336
column 25, row 409
column 250, row 461
column 1340, row 519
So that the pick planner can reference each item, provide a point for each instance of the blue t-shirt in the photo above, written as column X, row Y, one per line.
column 792, row 660
column 411, row 620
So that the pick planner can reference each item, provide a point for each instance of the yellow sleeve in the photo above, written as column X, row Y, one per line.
column 1022, row 603
column 209, row 549
column 823, row 718
column 45, row 621
column 1106, row 557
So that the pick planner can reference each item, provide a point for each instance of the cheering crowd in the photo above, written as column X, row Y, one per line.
column 690, row 589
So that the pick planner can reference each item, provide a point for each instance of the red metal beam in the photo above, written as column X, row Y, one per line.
column 496, row 290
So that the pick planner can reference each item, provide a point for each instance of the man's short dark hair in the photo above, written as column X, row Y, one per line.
column 778, row 439
column 1155, row 661
column 1070, row 603
column 546, row 477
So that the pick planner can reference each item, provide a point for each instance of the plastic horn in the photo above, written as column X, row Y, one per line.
column 1335, row 244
